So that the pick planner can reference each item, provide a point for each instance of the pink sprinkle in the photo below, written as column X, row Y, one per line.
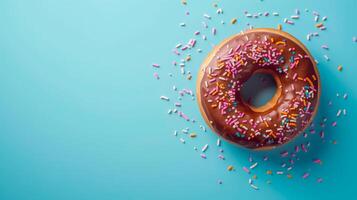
column 220, row 156
column 246, row 170
column 156, row 65
column 334, row 124
column 284, row 154
column 197, row 33
column 303, row 148
column 317, row 161
column 203, row 156
column 319, row 180
column 325, row 47
column 305, row 175
column 183, row 116
column 156, row 75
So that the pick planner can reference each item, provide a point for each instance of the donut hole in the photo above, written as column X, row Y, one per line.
column 260, row 91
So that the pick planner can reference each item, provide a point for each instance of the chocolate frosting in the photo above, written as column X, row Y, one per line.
column 233, row 62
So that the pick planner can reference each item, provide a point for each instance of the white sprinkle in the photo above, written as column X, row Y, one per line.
column 250, row 181
column 326, row 57
column 182, row 24
column 254, row 187
column 169, row 111
column 297, row 11
column 295, row 17
column 338, row 113
column 165, row 98
column 175, row 133
column 204, row 25
column 275, row 14
column 218, row 142
column 344, row 112
column 253, row 166
column 316, row 19
column 182, row 140
column 207, row 16
column 345, row 96
column 324, row 18
column 204, row 148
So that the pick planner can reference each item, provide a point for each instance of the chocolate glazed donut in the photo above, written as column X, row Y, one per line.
column 233, row 62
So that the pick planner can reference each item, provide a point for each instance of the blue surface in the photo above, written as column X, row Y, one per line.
column 81, row 116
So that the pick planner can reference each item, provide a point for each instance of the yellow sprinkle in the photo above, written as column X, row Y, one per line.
column 193, row 135
column 254, row 176
column 289, row 176
column 189, row 77
column 233, row 21
column 280, row 27
column 269, row 172
column 230, row 168
column 339, row 68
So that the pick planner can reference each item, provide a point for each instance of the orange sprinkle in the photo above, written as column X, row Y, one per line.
column 233, row 21
column 319, row 25
column 314, row 77
column 339, row 68
column 280, row 42
column 310, row 82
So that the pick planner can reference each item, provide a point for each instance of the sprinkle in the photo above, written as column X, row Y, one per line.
column 193, row 135
column 156, row 75
column 156, row 65
column 317, row 161
column 220, row 182
column 164, row 98
column 295, row 17
column 182, row 140
column 207, row 16
column 253, row 166
column 326, row 57
column 197, row 33
column 203, row 156
column 275, row 14
column 182, row 24
column 279, row 27
column 333, row 124
column 345, row 96
column 234, row 20
column 324, row 18
column 218, row 142
column 214, row 31
column 325, row 47
column 184, row 2
column 230, row 168
column 246, row 170
column 339, row 67
column 319, row 180
column 204, row 148
column 306, row 175
column 338, row 113
column 254, row 187
column 319, row 25
column 354, row 39
column 220, row 156
column 269, row 172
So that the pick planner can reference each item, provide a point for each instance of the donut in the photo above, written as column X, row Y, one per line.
column 231, row 63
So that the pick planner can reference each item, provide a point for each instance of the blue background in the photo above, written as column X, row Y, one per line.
column 81, row 118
